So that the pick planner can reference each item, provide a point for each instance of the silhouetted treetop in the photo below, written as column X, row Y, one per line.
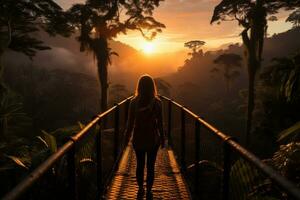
column 229, row 59
column 194, row 45
column 284, row 73
column 230, row 62
column 273, row 18
column 112, row 17
column 242, row 10
column 252, row 16
column 19, row 19
column 101, row 21
column 294, row 18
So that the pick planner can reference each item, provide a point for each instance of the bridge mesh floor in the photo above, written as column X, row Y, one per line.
column 168, row 184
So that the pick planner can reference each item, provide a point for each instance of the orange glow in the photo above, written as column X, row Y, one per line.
column 164, row 43
column 148, row 48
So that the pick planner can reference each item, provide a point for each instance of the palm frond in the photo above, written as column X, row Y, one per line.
column 51, row 141
column 18, row 161
column 13, row 119
column 290, row 133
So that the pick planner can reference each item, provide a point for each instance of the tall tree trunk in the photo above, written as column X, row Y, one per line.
column 255, row 48
column 104, row 87
column 101, row 46
column 3, row 92
column 3, row 89
column 251, row 102
column 227, row 79
column 227, row 86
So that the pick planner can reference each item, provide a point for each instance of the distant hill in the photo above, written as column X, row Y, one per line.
column 282, row 44
column 72, row 71
column 125, row 68
column 131, row 63
column 197, row 88
column 279, row 45
column 63, row 82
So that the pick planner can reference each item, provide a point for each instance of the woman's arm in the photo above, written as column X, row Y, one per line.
column 130, row 121
column 160, row 125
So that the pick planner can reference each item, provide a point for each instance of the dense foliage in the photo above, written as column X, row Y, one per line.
column 252, row 17
column 101, row 21
column 41, row 107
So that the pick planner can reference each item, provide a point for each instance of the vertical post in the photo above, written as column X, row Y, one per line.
column 197, row 155
column 72, row 172
column 99, row 161
column 183, row 139
column 169, row 122
column 116, row 134
column 125, row 138
column 126, row 111
column 226, row 171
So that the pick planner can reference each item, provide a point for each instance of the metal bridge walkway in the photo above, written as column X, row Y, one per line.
column 168, row 183
column 233, row 172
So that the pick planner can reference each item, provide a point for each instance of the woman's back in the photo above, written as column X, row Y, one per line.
column 145, row 132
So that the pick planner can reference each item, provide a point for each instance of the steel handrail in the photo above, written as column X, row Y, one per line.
column 235, row 146
column 34, row 176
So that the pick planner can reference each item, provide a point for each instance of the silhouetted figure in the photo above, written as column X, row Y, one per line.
column 145, row 120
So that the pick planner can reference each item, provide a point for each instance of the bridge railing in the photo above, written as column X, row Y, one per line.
column 215, row 165
column 86, row 161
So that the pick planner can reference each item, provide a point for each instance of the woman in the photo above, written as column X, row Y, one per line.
column 145, row 120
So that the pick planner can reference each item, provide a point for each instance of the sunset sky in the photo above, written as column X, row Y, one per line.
column 188, row 20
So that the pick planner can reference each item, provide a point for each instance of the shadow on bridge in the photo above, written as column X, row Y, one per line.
column 201, row 162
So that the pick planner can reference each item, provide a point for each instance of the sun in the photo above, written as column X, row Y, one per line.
column 148, row 48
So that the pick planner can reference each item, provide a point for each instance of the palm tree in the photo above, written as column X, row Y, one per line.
column 101, row 21
column 230, row 63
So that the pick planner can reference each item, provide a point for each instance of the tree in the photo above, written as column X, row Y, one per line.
column 20, row 19
column 252, row 16
column 230, row 62
column 100, row 21
column 284, row 75
column 194, row 45
column 294, row 18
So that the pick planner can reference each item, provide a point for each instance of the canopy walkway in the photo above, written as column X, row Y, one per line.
column 169, row 183
column 200, row 162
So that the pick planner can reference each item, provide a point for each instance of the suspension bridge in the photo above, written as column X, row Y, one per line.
column 199, row 162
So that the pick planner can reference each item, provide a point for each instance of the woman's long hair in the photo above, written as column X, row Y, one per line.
column 146, row 88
